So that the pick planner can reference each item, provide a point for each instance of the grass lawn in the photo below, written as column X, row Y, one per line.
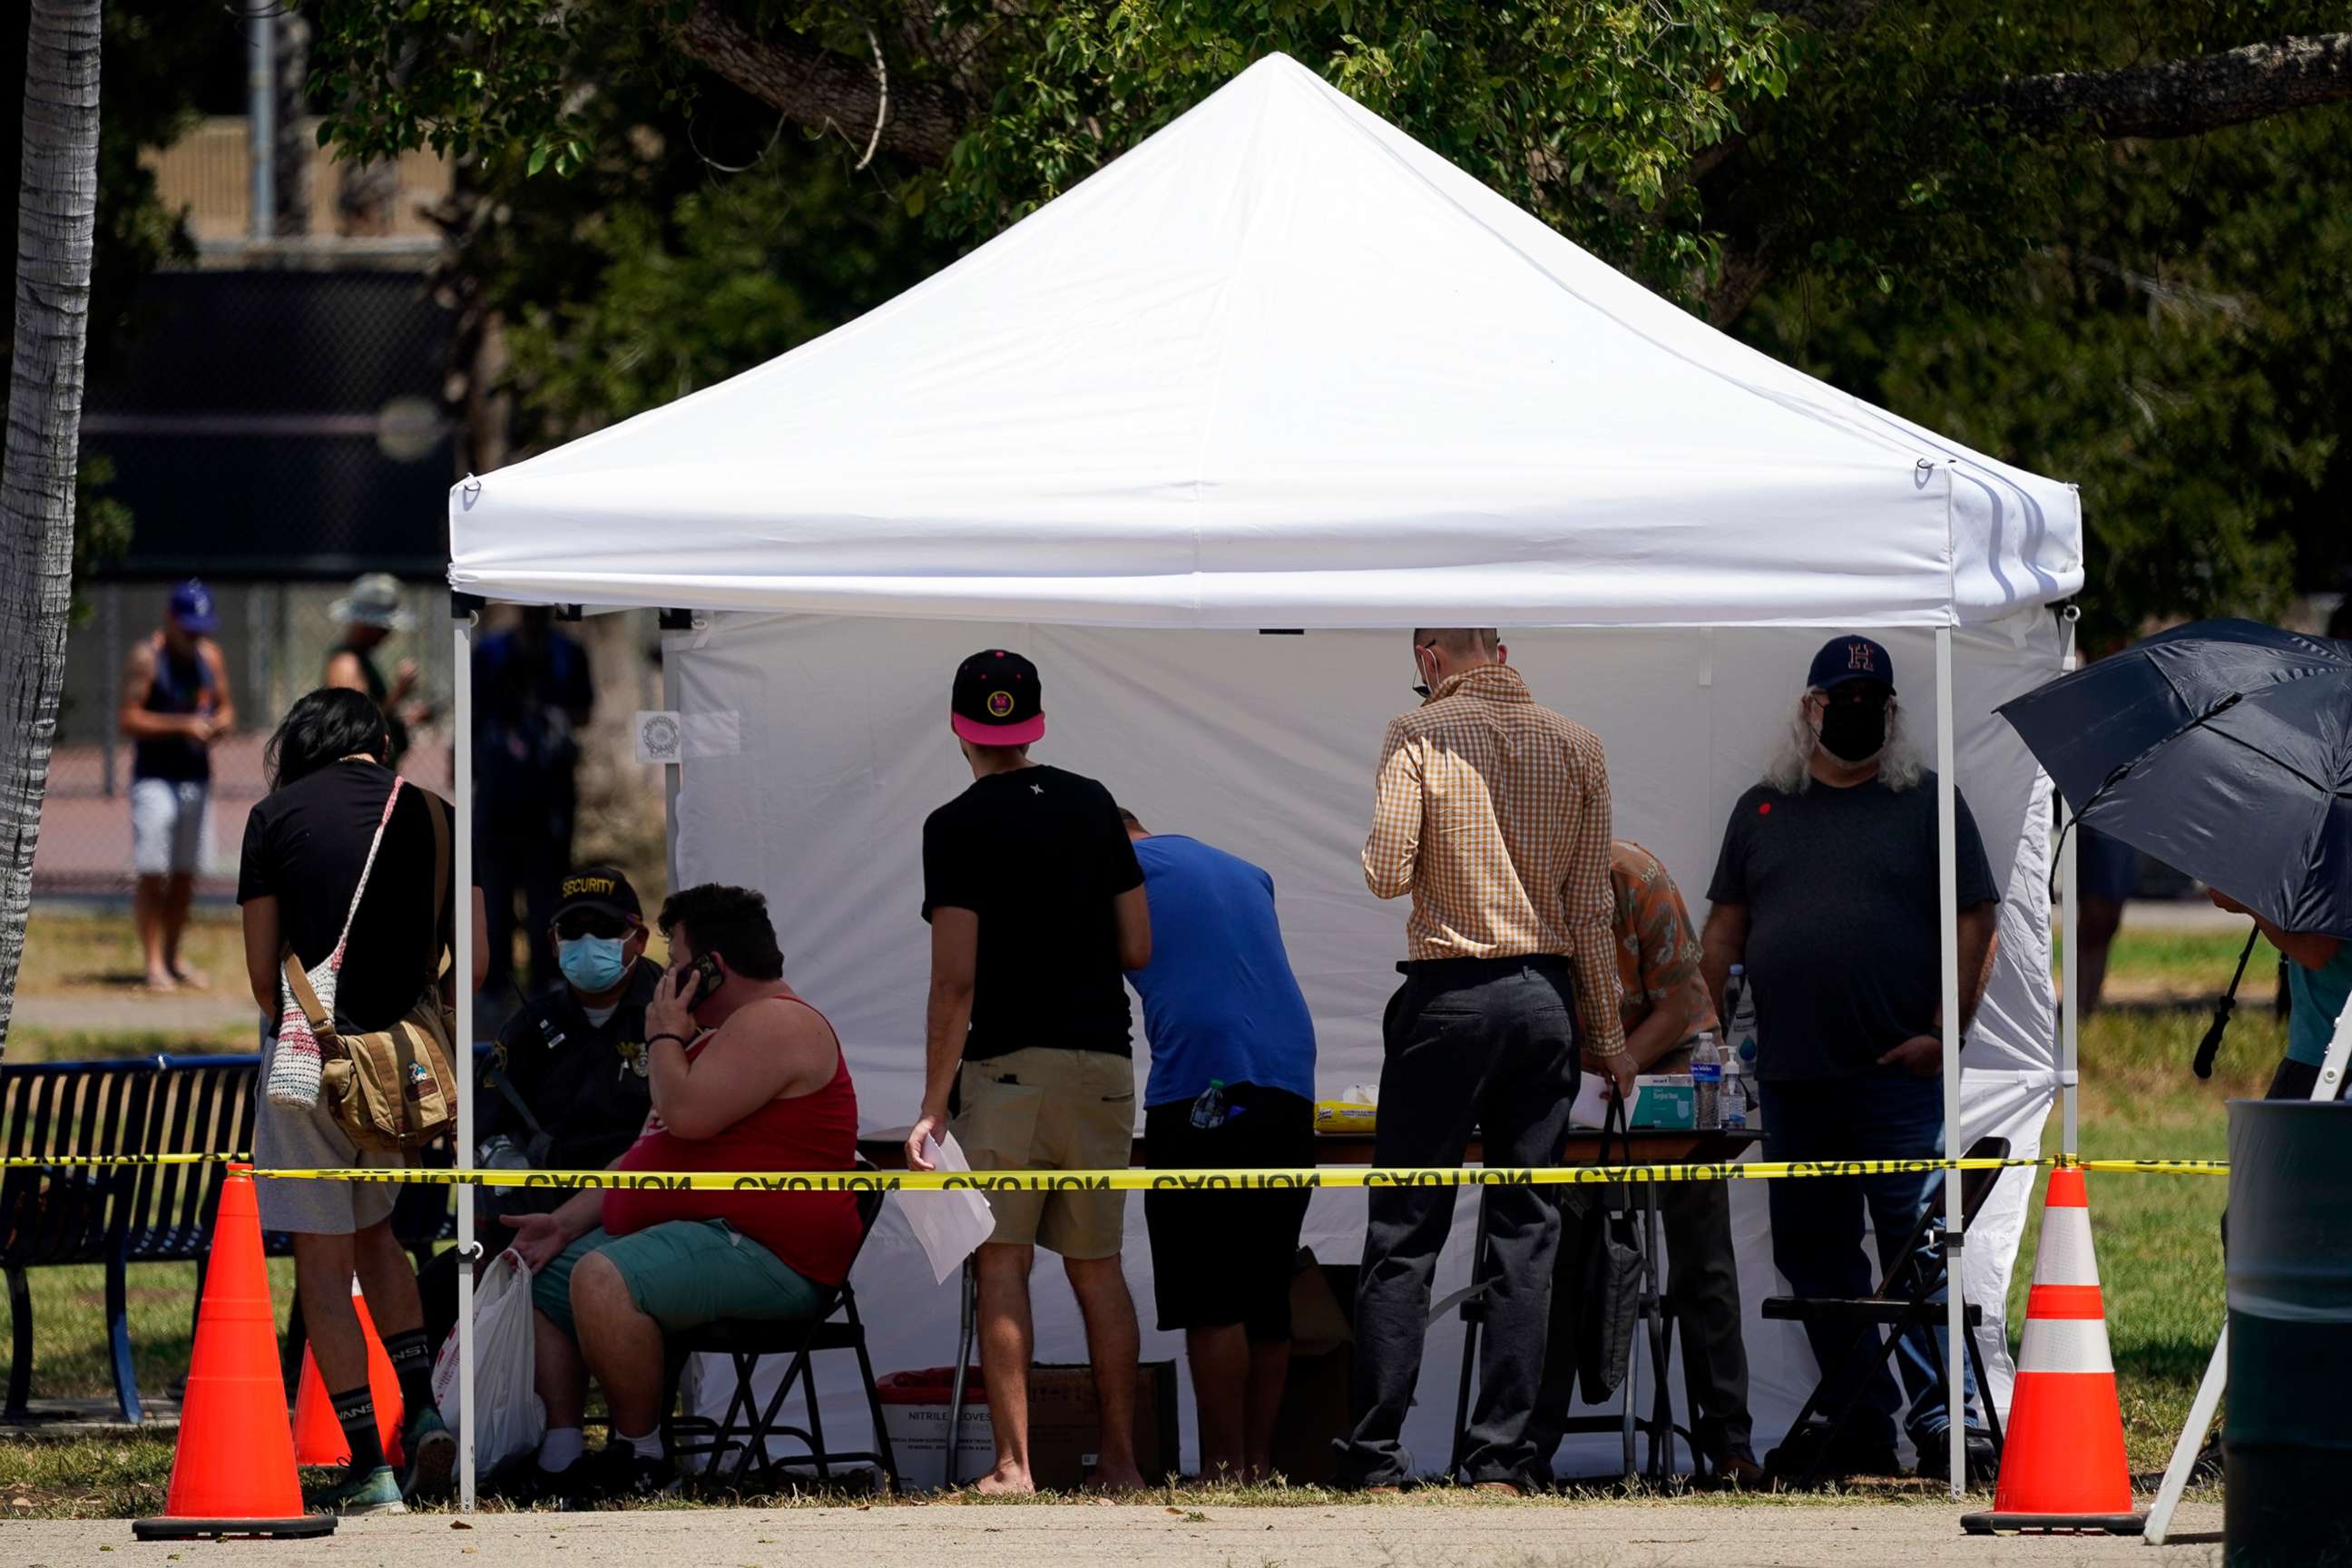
column 69, row 949
column 2158, row 1245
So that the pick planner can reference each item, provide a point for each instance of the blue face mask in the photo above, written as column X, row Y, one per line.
column 593, row 963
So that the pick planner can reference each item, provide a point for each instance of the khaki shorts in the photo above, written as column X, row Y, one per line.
column 1047, row 1109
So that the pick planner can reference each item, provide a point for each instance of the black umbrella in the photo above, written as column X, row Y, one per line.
column 2223, row 748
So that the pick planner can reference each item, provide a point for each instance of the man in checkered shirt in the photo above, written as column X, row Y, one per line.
column 1492, row 813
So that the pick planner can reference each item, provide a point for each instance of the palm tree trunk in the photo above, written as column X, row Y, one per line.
column 56, row 213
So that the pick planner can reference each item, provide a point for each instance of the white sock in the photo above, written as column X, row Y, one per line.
column 648, row 1446
column 560, row 1448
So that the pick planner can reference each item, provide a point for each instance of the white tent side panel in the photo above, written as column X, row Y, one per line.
column 817, row 747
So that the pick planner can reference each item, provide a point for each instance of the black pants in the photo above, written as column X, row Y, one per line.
column 1469, row 1043
column 1702, row 1287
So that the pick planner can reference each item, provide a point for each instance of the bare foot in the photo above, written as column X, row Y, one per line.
column 1008, row 1479
column 160, row 982
column 1117, row 1482
column 192, row 978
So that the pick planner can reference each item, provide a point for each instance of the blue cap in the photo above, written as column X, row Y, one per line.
column 192, row 607
column 1846, row 658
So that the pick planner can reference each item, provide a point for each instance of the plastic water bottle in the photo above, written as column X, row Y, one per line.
column 1707, row 1084
column 1738, row 1095
column 1209, row 1111
column 1740, row 1002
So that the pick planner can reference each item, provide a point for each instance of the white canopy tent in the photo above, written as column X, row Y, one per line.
column 1281, row 367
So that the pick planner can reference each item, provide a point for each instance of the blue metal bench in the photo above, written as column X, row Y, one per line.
column 60, row 1214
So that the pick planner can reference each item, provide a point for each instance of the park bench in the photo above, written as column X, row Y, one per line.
column 60, row 1214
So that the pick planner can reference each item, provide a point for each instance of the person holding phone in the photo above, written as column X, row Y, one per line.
column 744, row 1075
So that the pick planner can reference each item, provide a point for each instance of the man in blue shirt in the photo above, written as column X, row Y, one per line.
column 1232, row 1086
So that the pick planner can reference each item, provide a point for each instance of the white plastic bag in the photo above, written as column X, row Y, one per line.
column 509, row 1418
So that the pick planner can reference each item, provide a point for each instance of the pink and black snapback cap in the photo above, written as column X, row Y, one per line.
column 998, row 700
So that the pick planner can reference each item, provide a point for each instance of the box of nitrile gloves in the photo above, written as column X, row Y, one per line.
column 1664, row 1101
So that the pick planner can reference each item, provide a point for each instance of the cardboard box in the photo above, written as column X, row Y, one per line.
column 1322, row 1359
column 1665, row 1102
column 1064, row 1427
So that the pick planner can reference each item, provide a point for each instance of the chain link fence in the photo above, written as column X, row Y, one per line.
column 275, row 638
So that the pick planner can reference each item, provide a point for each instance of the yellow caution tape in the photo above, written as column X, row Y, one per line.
column 1332, row 1177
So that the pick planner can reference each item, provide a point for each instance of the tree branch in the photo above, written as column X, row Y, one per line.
column 2185, row 97
column 818, row 89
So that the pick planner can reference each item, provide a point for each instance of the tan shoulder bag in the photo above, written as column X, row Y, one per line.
column 393, row 1090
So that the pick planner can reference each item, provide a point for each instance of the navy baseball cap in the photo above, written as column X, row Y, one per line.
column 1850, row 658
column 192, row 607
column 601, row 888
column 998, row 699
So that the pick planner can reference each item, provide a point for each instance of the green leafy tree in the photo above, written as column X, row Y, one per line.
column 2176, row 345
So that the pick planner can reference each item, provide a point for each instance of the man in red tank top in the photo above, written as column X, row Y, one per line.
column 745, row 1076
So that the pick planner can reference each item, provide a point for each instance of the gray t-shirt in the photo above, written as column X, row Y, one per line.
column 1844, row 936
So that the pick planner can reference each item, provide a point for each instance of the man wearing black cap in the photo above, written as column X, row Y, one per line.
column 174, row 703
column 1037, row 906
column 564, row 1088
column 1826, row 890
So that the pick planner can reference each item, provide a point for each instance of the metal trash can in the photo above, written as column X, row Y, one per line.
column 2287, row 1441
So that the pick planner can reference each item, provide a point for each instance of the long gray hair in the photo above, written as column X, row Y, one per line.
column 1788, row 767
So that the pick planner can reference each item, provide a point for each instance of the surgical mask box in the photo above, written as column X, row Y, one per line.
column 1664, row 1102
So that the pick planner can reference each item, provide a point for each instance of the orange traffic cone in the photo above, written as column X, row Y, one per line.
column 233, row 1472
column 318, row 1436
column 2064, row 1468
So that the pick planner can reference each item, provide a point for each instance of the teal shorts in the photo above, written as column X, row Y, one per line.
column 683, row 1274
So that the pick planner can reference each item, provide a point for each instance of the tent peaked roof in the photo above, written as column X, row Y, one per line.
column 1278, row 365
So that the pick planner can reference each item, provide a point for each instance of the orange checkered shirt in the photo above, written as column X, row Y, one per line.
column 1492, row 813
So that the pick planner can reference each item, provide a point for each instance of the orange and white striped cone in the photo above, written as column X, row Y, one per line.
column 2063, row 1466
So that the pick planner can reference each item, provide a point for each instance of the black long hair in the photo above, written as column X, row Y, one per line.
column 331, row 722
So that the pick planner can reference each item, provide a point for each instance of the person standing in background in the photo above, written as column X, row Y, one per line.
column 1493, row 814
column 369, row 614
column 1232, row 1088
column 533, row 695
column 1827, row 889
column 2318, row 982
column 1038, row 909
column 1666, row 1009
column 175, row 704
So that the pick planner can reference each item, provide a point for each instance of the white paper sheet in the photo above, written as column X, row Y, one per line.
column 949, row 1225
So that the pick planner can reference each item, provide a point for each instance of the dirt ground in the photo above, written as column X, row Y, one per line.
column 1401, row 1534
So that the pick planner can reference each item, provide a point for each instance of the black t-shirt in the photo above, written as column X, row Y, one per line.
column 306, row 844
column 587, row 1091
column 1844, row 939
column 1038, row 855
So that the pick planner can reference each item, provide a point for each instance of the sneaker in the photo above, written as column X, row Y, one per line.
column 1935, row 1449
column 618, row 1473
column 432, row 1458
column 378, row 1491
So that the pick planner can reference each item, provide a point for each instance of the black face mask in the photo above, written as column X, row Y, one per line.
column 1854, row 731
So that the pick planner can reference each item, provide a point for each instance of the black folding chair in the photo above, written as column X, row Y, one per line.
column 1898, row 1306
column 751, row 1426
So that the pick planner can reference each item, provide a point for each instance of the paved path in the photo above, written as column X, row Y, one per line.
column 1403, row 1535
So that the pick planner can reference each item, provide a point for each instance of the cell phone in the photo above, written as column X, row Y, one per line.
column 706, row 975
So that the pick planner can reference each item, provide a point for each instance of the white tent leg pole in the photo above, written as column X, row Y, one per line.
column 2192, row 1438
column 1947, row 900
column 2070, row 1020
column 462, row 807
column 2208, row 1393
column 2070, row 1010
